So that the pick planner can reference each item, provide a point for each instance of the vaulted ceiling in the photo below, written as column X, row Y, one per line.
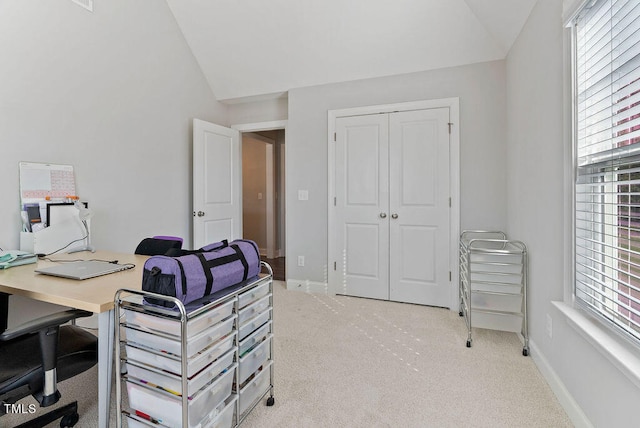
column 262, row 48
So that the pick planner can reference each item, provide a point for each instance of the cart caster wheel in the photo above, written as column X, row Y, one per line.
column 69, row 420
column 468, row 344
column 525, row 352
column 460, row 313
column 271, row 401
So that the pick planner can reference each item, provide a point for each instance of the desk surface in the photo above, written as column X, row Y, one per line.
column 94, row 295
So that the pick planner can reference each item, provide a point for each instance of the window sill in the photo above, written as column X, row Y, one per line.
column 622, row 354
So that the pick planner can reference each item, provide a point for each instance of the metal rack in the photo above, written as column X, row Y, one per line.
column 493, row 283
column 206, row 364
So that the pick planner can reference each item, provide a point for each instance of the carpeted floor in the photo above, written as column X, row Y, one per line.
column 350, row 362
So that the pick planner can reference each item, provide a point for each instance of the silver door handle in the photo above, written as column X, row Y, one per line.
column 200, row 213
column 383, row 215
column 394, row 216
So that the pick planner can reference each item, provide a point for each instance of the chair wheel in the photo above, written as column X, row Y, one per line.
column 468, row 344
column 69, row 420
column 270, row 401
column 525, row 352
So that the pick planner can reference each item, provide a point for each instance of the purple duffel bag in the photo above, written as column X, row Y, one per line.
column 202, row 272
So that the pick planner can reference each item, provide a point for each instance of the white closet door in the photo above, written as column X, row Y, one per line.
column 362, row 203
column 392, row 206
column 419, row 207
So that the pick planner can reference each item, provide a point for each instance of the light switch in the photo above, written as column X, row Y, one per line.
column 259, row 196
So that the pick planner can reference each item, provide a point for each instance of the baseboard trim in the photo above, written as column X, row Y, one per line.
column 308, row 286
column 568, row 403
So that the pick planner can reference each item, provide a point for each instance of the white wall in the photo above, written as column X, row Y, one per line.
column 255, row 111
column 538, row 133
column 113, row 93
column 536, row 155
column 481, row 88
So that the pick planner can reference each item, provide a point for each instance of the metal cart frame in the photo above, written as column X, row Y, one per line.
column 183, row 315
column 493, row 244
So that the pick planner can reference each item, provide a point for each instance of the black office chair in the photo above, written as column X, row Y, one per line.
column 160, row 245
column 35, row 356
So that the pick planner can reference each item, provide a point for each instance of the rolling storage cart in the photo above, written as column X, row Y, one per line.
column 203, row 365
column 493, row 283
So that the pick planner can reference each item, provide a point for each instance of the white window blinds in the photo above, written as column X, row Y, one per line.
column 607, row 191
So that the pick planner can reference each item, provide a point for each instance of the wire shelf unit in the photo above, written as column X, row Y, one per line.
column 493, row 283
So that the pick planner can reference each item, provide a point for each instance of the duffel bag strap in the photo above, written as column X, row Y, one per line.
column 243, row 260
column 207, row 265
column 183, row 278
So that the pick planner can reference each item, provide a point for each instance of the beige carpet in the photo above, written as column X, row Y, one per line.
column 350, row 362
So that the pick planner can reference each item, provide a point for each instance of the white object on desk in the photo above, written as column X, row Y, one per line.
column 60, row 237
column 66, row 237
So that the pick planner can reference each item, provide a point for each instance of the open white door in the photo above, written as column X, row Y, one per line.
column 217, row 175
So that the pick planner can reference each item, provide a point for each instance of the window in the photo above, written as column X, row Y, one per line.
column 607, row 189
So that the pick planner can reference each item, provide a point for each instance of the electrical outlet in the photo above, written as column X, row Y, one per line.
column 549, row 326
column 300, row 260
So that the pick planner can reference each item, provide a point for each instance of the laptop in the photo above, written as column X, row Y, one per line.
column 83, row 269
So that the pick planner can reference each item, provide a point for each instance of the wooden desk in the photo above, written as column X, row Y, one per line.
column 94, row 295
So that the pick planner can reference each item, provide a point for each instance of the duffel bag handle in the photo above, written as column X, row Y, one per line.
column 174, row 252
column 215, row 246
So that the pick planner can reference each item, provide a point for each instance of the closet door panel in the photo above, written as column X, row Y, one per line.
column 362, row 203
column 362, row 249
column 417, row 266
column 418, row 168
column 419, row 207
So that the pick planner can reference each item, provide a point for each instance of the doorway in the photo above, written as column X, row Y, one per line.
column 263, row 191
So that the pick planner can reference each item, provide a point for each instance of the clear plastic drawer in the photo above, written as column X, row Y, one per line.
column 172, row 326
column 498, row 268
column 255, row 389
column 173, row 364
column 222, row 417
column 254, row 309
column 252, row 295
column 173, row 383
column 496, row 321
column 254, row 338
column 195, row 344
column 497, row 278
column 497, row 302
column 167, row 408
column 251, row 325
column 254, row 360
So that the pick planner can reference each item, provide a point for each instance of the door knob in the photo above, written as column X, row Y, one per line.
column 394, row 216
column 383, row 215
column 200, row 213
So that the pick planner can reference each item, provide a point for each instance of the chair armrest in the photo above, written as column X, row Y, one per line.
column 41, row 323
